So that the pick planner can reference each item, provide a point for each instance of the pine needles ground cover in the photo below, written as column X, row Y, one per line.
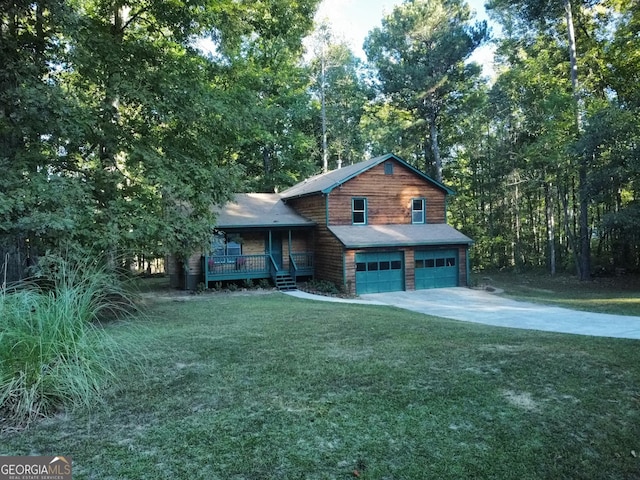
column 269, row 386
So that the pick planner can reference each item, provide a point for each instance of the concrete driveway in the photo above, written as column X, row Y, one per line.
column 479, row 306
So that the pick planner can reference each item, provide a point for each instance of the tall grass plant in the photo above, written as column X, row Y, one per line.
column 54, row 352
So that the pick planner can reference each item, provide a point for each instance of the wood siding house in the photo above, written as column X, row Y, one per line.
column 256, row 236
column 375, row 226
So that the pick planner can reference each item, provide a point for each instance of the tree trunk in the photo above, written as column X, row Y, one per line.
column 584, row 266
column 551, row 227
column 435, row 148
column 266, row 160
column 568, row 220
column 516, row 255
column 323, row 109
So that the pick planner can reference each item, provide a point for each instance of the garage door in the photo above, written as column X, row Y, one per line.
column 379, row 272
column 436, row 269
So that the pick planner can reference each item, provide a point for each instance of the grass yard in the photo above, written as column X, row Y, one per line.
column 616, row 295
column 269, row 386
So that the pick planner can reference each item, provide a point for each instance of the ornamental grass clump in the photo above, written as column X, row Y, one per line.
column 54, row 352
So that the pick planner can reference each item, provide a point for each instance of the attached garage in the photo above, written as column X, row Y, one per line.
column 436, row 268
column 389, row 258
column 379, row 272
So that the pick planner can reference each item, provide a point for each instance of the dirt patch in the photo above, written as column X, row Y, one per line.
column 521, row 399
column 489, row 289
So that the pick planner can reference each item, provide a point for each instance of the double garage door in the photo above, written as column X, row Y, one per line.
column 385, row 271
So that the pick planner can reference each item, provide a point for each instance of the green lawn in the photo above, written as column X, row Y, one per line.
column 617, row 295
column 269, row 386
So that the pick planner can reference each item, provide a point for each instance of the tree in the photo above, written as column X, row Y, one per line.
column 120, row 135
column 277, row 139
column 557, row 140
column 339, row 88
column 33, row 203
column 420, row 53
column 535, row 109
column 542, row 11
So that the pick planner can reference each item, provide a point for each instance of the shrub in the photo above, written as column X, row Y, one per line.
column 323, row 286
column 53, row 351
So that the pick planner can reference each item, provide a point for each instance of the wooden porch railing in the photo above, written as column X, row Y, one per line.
column 235, row 267
column 301, row 264
column 240, row 267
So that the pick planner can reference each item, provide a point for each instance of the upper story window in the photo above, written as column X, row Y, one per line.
column 388, row 168
column 359, row 211
column 418, row 210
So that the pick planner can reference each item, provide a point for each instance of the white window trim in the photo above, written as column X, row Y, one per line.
column 354, row 211
column 423, row 211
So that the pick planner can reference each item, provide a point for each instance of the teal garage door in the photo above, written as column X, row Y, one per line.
column 436, row 269
column 379, row 272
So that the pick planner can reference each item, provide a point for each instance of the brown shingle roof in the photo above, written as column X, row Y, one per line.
column 259, row 210
column 364, row 236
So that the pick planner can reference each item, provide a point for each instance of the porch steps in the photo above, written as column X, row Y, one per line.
column 284, row 281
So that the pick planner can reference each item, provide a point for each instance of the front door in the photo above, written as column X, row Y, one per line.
column 276, row 247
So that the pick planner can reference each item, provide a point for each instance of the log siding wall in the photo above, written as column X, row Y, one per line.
column 329, row 262
column 388, row 197
column 388, row 202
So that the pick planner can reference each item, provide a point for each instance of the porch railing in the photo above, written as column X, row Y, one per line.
column 234, row 267
column 240, row 267
column 301, row 264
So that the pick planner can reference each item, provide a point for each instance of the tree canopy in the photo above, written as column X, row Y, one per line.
column 119, row 130
column 420, row 53
column 118, row 134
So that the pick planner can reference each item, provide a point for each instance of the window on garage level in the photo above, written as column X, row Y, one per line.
column 417, row 210
column 359, row 211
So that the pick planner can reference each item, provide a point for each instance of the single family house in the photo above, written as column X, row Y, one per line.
column 375, row 226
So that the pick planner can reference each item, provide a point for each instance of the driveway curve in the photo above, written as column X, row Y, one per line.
column 479, row 306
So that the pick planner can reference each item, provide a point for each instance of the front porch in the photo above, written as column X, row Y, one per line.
column 219, row 268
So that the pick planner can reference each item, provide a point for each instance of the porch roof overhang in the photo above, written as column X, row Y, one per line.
column 413, row 235
column 259, row 210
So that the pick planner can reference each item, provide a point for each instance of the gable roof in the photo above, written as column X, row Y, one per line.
column 406, row 235
column 326, row 182
column 259, row 210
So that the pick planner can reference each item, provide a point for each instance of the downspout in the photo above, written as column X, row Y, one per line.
column 446, row 207
column 344, row 271
column 468, row 262
column 326, row 210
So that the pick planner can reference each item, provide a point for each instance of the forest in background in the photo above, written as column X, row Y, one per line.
column 118, row 131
